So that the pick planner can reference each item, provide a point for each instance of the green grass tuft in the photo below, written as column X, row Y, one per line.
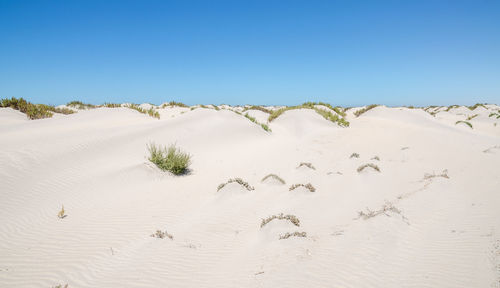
column 169, row 159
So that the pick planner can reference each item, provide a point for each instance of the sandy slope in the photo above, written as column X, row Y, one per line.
column 442, row 232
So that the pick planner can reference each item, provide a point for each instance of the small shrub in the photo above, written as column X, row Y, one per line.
column 465, row 122
column 237, row 180
column 354, row 155
column 367, row 108
column 294, row 234
column 169, row 159
column 308, row 186
column 160, row 234
column 307, row 164
column 274, row 176
column 362, row 167
column 292, row 218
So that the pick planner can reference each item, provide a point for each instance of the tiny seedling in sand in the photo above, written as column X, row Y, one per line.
column 307, row 164
column 370, row 165
column 61, row 213
column 294, row 234
column 376, row 158
column 236, row 180
column 354, row 155
column 292, row 218
column 308, row 186
column 160, row 234
column 274, row 176
column 171, row 159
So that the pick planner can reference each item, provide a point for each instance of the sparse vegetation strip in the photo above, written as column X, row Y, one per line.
column 274, row 176
column 370, row 165
column 236, row 180
column 294, row 234
column 292, row 218
column 308, row 186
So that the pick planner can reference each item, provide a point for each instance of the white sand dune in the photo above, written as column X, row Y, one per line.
column 400, row 227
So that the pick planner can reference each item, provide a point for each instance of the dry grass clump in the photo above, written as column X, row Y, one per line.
column 274, row 176
column 160, row 234
column 307, row 164
column 376, row 158
column 237, row 180
column 384, row 210
column 367, row 108
column 354, row 155
column 260, row 108
column 451, row 107
column 60, row 286
column 264, row 126
column 443, row 174
column 151, row 111
column 294, row 234
column 465, row 122
column 308, row 186
column 33, row 111
column 292, row 218
column 169, row 159
column 80, row 105
column 371, row 165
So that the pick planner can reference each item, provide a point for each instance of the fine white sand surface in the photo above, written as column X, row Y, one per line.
column 429, row 217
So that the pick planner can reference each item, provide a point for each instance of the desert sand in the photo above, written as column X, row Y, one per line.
column 430, row 217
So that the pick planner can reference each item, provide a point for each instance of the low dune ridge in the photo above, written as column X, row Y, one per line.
column 428, row 217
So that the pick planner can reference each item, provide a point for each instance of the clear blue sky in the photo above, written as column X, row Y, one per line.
column 258, row 52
